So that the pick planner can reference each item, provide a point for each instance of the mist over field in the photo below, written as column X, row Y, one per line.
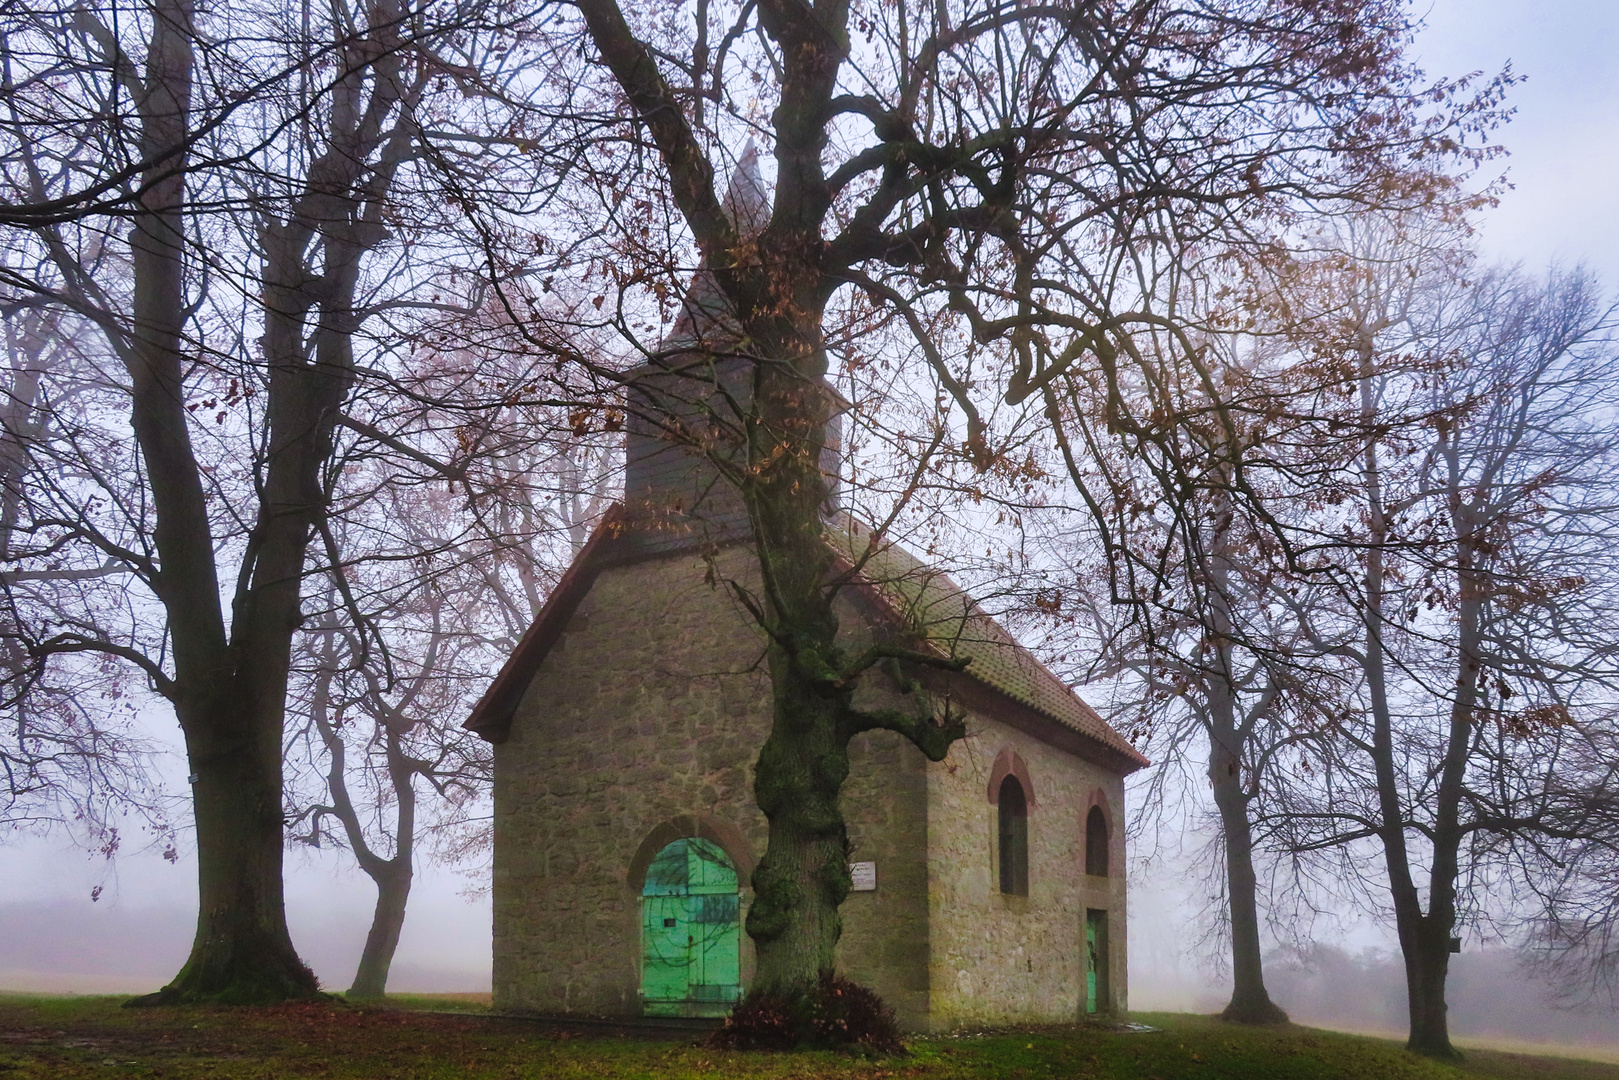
column 1351, row 981
column 1490, row 996
column 54, row 938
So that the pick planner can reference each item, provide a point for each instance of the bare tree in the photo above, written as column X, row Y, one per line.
column 73, row 756
column 989, row 178
column 441, row 584
column 1203, row 606
column 1487, row 507
column 228, row 349
column 401, row 736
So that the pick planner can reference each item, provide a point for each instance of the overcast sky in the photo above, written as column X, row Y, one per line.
column 1564, row 205
column 1564, row 141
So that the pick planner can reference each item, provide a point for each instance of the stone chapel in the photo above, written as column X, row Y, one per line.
column 989, row 888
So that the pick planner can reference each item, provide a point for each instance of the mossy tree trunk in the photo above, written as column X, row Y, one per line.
column 778, row 284
column 803, row 878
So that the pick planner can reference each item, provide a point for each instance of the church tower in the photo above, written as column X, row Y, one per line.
column 689, row 402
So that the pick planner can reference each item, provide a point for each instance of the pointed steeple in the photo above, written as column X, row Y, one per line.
column 746, row 202
column 674, row 496
column 704, row 309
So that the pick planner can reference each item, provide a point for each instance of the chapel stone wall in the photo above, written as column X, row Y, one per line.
column 1001, row 959
column 651, row 709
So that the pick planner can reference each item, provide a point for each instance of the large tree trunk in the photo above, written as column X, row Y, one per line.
column 1424, row 945
column 1426, row 950
column 1425, row 937
column 778, row 286
column 803, row 877
column 242, row 953
column 228, row 698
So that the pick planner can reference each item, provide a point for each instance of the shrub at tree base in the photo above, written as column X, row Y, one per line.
column 835, row 1013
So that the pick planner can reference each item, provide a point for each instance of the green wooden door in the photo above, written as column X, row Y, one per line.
column 691, row 932
column 1098, row 996
column 1092, row 918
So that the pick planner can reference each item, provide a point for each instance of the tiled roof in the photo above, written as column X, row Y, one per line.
column 928, row 605
column 923, row 603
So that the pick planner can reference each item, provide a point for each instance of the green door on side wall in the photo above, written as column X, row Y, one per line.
column 1095, row 959
column 691, row 932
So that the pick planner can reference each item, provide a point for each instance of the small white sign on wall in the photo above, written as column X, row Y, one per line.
column 864, row 875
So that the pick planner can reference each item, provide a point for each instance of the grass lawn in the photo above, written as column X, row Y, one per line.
column 64, row 1038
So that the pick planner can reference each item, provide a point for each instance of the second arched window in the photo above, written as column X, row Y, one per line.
column 1096, row 843
column 1013, row 807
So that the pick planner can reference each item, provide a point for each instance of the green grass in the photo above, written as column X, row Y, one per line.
column 63, row 1038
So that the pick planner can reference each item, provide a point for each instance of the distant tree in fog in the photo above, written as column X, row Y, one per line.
column 443, row 581
column 73, row 756
column 1485, row 514
column 1217, row 605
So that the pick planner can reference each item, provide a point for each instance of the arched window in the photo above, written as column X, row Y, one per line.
column 1013, row 811
column 1096, row 842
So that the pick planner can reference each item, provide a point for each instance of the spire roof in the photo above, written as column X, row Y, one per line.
column 746, row 202
column 705, row 309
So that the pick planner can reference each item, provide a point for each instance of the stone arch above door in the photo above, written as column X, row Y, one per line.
column 703, row 826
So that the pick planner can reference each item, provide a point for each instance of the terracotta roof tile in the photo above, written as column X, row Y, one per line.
column 931, row 606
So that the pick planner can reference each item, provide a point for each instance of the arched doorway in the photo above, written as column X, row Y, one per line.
column 691, row 931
